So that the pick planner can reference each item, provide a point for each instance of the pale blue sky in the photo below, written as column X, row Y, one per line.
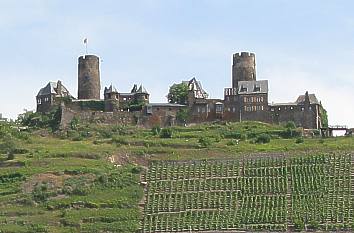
column 300, row 46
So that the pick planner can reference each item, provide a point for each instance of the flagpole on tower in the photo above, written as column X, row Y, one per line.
column 85, row 42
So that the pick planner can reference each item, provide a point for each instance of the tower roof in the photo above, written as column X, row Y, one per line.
column 142, row 89
column 110, row 89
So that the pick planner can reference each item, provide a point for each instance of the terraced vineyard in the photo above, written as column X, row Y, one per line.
column 274, row 194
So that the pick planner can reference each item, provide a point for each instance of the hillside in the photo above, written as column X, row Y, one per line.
column 88, row 179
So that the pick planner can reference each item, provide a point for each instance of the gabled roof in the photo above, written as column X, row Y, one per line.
column 196, row 87
column 52, row 89
column 312, row 97
column 110, row 89
column 252, row 87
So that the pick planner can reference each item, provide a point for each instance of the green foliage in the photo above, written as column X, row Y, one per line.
column 324, row 116
column 233, row 135
column 166, row 133
column 263, row 138
column 74, row 123
column 178, row 93
column 95, row 105
column 204, row 141
column 39, row 120
column 136, row 105
column 270, row 194
column 156, row 130
column 40, row 192
column 183, row 115
column 119, row 140
column 290, row 125
column 299, row 140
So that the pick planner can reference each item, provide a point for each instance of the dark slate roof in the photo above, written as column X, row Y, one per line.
column 312, row 97
column 110, row 89
column 142, row 89
column 165, row 105
column 252, row 87
column 51, row 88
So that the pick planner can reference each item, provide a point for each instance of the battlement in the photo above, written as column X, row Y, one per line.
column 244, row 55
column 88, row 57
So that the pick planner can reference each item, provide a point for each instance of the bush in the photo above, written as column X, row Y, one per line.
column 290, row 125
column 233, row 134
column 263, row 138
column 156, row 130
column 299, row 140
column 119, row 140
column 166, row 133
column 204, row 142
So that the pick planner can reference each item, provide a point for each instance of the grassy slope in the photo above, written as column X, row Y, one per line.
column 69, row 185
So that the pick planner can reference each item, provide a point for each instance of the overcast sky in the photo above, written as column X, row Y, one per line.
column 300, row 46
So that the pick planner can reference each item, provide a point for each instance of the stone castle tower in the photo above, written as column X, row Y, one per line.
column 243, row 68
column 89, row 77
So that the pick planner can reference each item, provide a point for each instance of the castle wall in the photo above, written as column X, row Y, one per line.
column 89, row 77
column 123, row 118
column 302, row 116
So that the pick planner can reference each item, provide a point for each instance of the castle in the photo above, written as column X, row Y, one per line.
column 245, row 100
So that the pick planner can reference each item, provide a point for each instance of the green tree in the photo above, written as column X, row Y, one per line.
column 178, row 93
column 324, row 116
column 183, row 115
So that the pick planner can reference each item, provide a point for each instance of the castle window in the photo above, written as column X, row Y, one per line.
column 302, row 109
column 233, row 109
column 243, row 89
column 279, row 109
column 291, row 108
column 245, row 99
column 227, row 98
column 39, row 101
column 272, row 109
column 198, row 109
column 261, row 99
column 257, row 88
column 262, row 107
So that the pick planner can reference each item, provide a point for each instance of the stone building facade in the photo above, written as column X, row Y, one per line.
column 246, row 100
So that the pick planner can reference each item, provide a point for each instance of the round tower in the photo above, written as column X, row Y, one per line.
column 243, row 67
column 89, row 77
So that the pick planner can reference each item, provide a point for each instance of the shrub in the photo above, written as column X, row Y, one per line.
column 156, row 130
column 204, row 142
column 40, row 192
column 233, row 134
column 290, row 125
column 232, row 142
column 119, row 140
column 10, row 156
column 166, row 133
column 299, row 140
column 263, row 138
